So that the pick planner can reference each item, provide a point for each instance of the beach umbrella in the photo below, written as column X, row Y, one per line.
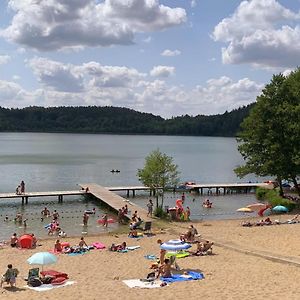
column 256, row 206
column 245, row 210
column 42, row 258
column 175, row 245
column 280, row 208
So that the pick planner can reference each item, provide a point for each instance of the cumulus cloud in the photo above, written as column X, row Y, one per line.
column 260, row 32
column 71, row 78
column 168, row 52
column 162, row 71
column 48, row 25
column 4, row 59
column 94, row 84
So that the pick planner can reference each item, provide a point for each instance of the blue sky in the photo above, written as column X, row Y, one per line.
column 166, row 57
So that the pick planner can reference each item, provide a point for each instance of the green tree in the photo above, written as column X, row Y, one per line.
column 159, row 172
column 270, row 136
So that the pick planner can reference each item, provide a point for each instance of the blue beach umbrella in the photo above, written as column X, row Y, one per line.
column 175, row 245
column 42, row 258
column 280, row 208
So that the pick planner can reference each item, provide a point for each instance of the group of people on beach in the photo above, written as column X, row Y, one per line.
column 15, row 242
column 122, row 212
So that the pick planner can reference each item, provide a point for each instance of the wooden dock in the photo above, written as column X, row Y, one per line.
column 25, row 196
column 113, row 200
column 227, row 187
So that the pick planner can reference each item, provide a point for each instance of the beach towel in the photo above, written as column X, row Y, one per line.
column 48, row 287
column 177, row 255
column 181, row 277
column 151, row 257
column 132, row 283
column 77, row 253
column 98, row 245
column 133, row 247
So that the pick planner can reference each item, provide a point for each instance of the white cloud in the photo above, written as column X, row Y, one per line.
column 168, row 52
column 4, row 59
column 193, row 3
column 62, row 77
column 94, row 84
column 49, row 25
column 260, row 32
column 162, row 71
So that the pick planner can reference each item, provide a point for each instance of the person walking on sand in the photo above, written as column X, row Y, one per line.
column 150, row 208
column 22, row 186
column 10, row 276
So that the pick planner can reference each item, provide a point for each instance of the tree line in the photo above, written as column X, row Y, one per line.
column 118, row 120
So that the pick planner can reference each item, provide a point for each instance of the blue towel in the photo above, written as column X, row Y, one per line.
column 150, row 257
column 180, row 277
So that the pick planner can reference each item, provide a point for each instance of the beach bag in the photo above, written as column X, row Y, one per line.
column 34, row 282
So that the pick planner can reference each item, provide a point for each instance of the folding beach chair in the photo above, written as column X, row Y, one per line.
column 147, row 227
column 33, row 273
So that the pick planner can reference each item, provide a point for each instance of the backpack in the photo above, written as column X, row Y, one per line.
column 34, row 282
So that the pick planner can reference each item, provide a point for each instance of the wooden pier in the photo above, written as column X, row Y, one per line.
column 113, row 200
column 227, row 187
column 26, row 196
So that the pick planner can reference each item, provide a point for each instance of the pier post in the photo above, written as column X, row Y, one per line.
column 133, row 193
column 201, row 191
column 23, row 200
column 127, row 193
column 60, row 198
column 26, row 200
column 224, row 190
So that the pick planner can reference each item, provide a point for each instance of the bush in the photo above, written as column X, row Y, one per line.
column 273, row 197
column 160, row 213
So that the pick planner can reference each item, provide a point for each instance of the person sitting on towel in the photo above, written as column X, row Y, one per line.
column 165, row 269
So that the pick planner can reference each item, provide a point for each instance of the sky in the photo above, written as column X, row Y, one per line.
column 165, row 57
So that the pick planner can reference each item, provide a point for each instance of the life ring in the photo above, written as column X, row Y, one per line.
column 101, row 221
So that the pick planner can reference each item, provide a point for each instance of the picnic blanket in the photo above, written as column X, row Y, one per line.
column 182, row 277
column 48, row 287
column 132, row 283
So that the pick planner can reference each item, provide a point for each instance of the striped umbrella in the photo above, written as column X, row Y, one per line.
column 175, row 245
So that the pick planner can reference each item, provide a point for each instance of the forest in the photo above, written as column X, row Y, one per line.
column 118, row 120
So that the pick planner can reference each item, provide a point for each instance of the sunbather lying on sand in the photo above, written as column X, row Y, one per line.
column 203, row 248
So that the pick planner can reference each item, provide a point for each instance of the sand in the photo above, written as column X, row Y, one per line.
column 241, row 267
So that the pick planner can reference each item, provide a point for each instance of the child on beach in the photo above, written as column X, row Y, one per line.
column 14, row 241
column 10, row 276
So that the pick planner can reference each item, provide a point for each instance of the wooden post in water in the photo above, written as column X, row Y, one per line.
column 127, row 193
column 23, row 200
column 133, row 193
column 26, row 200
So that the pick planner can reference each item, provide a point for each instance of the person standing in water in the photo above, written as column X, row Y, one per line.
column 85, row 219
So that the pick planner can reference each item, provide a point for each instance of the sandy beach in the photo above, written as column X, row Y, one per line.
column 247, row 263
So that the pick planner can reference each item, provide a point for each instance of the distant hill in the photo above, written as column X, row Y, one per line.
column 117, row 120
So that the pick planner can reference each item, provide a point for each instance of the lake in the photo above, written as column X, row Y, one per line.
column 52, row 161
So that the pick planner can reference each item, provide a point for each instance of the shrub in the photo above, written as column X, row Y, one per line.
column 160, row 213
column 273, row 197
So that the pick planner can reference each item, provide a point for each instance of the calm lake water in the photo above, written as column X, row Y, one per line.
column 50, row 161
